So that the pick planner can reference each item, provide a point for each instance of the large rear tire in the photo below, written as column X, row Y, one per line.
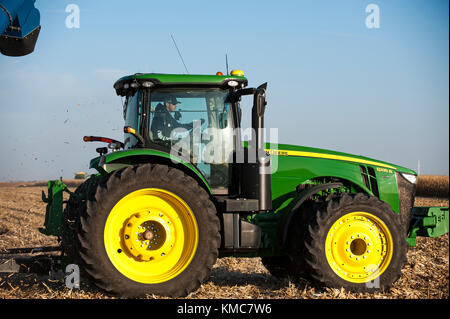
column 149, row 229
column 357, row 242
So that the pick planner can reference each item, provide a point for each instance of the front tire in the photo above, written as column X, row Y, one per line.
column 149, row 229
column 357, row 242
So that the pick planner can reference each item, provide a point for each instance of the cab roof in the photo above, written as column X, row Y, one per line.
column 130, row 83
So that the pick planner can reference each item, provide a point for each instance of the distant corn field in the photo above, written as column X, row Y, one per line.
column 432, row 186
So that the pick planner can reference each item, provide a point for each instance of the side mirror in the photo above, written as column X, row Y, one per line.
column 261, row 95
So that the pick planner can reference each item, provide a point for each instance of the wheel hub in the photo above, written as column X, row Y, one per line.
column 148, row 236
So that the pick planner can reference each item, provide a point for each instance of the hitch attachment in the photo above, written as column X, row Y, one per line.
column 53, row 211
column 428, row 222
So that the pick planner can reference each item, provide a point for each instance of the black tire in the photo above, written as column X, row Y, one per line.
column 294, row 263
column 287, row 265
column 320, row 226
column 94, row 255
column 75, row 207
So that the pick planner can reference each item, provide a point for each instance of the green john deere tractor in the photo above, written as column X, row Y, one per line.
column 184, row 188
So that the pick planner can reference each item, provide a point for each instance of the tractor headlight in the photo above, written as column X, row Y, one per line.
column 147, row 84
column 410, row 177
column 232, row 83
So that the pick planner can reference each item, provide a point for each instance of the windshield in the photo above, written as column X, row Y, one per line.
column 196, row 124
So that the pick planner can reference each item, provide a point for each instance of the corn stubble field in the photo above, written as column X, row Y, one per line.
column 425, row 275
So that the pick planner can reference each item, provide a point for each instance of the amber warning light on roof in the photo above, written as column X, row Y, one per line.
column 237, row 73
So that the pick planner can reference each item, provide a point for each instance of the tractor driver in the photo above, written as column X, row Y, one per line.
column 163, row 121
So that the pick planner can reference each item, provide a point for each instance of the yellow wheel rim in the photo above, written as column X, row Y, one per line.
column 359, row 247
column 151, row 235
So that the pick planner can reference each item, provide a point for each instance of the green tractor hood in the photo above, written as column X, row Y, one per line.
column 311, row 152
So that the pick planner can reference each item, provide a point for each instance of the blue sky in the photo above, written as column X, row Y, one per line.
column 332, row 82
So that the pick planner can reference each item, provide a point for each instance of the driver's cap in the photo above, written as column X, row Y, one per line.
column 172, row 100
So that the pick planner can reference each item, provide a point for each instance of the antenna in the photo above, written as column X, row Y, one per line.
column 179, row 54
column 226, row 62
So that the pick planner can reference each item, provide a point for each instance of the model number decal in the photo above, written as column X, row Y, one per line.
column 384, row 170
column 277, row 152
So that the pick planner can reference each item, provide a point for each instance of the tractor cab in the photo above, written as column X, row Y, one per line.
column 187, row 123
column 196, row 118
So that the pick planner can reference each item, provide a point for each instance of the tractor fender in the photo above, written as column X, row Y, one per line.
column 299, row 200
column 117, row 160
